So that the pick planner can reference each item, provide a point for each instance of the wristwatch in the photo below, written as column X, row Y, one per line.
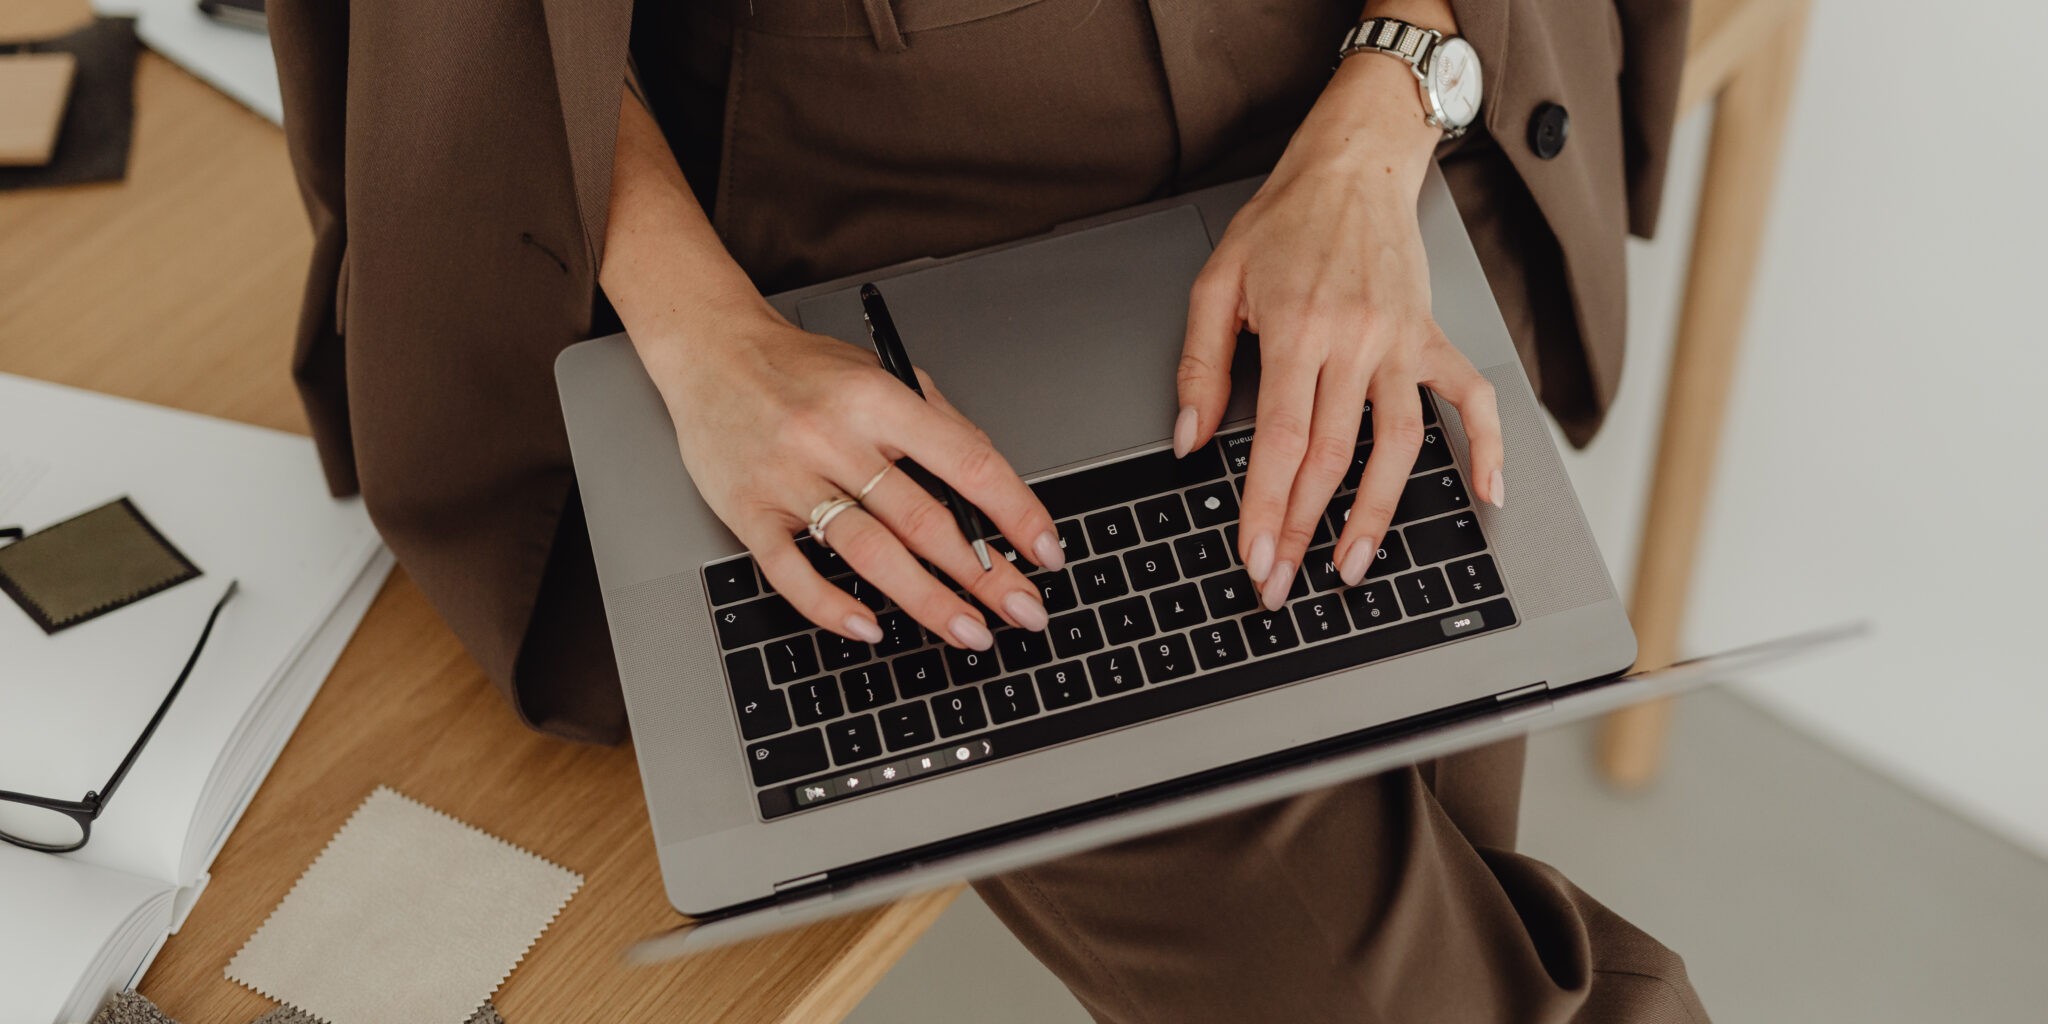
column 1446, row 66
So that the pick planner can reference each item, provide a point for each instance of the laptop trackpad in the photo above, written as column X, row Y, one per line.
column 1064, row 348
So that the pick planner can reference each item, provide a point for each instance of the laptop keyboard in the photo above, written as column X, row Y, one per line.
column 1151, row 617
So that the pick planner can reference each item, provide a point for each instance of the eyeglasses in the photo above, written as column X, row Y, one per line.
column 61, row 826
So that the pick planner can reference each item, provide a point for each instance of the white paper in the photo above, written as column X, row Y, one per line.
column 60, row 924
column 241, row 502
column 235, row 60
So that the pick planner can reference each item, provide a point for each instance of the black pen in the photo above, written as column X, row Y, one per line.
column 889, row 349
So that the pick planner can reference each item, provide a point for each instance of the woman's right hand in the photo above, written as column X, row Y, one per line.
column 772, row 420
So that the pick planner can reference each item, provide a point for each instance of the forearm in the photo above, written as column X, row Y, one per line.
column 665, row 270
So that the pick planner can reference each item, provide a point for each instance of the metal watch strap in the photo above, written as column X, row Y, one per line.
column 1411, row 43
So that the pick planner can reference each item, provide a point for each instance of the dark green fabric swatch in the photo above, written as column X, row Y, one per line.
column 89, row 565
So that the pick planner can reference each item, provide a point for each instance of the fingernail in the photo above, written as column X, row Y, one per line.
column 1261, row 560
column 968, row 632
column 1046, row 551
column 1356, row 562
column 1499, row 487
column 1184, row 432
column 1025, row 610
column 1275, row 593
column 864, row 628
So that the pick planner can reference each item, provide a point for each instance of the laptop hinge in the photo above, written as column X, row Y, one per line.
column 1531, row 690
column 799, row 883
column 1524, row 702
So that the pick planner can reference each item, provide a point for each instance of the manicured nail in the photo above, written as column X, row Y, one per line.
column 865, row 628
column 1356, row 562
column 1275, row 593
column 1025, row 610
column 1499, row 488
column 1184, row 432
column 1261, row 560
column 968, row 632
column 1046, row 551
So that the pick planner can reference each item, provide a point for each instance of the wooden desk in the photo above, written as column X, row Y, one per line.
column 180, row 287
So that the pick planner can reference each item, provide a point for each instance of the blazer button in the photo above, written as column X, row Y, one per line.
column 1549, row 127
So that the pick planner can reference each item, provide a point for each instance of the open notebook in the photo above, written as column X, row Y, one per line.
column 242, row 503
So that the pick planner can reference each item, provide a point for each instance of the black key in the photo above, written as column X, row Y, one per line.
column 1322, row 618
column 1151, row 566
column 731, row 581
column 816, row 700
column 1075, row 633
column 866, row 687
column 1431, row 495
column 1022, row 649
column 1436, row 451
column 1268, row 632
column 1178, row 607
column 1010, row 699
column 863, row 591
column 1323, row 534
column 1448, row 537
column 787, row 757
column 1062, row 685
column 838, row 652
column 1423, row 592
column 959, row 712
column 824, row 559
column 1356, row 471
column 1320, row 566
column 1166, row 658
column 1111, row 530
column 907, row 725
column 1428, row 406
column 1073, row 539
column 900, row 633
column 1120, row 483
column 1202, row 554
column 1099, row 580
column 1162, row 517
column 1127, row 621
column 965, row 666
column 1337, row 513
column 1392, row 557
column 1114, row 671
column 792, row 658
column 1372, row 605
column 1056, row 590
column 1229, row 594
column 1365, row 423
column 919, row 674
column 1213, row 504
column 762, row 710
column 854, row 740
column 1474, row 578
column 1237, row 450
column 744, row 625
column 1219, row 645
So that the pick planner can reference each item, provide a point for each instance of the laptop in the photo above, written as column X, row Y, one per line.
column 793, row 775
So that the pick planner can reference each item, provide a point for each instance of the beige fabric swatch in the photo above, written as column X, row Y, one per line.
column 407, row 916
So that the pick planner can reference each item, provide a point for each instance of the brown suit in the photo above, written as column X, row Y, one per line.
column 455, row 158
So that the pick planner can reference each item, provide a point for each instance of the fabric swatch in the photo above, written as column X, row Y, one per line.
column 89, row 565
column 92, row 143
column 132, row 1008
column 407, row 915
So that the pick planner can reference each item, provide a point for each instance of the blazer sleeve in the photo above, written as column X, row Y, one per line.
column 310, row 41
column 1550, row 221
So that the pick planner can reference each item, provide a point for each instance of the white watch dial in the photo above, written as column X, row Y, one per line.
column 1454, row 82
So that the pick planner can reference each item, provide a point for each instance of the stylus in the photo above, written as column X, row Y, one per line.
column 889, row 349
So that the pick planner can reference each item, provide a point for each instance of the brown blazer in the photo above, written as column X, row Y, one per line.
column 455, row 160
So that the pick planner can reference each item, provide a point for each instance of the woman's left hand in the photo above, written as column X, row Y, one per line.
column 1325, row 264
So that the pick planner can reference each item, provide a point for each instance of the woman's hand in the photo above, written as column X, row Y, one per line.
column 1325, row 264
column 772, row 420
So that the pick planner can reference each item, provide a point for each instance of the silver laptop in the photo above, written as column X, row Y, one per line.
column 792, row 775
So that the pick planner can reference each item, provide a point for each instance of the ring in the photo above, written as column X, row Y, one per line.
column 825, row 512
column 872, row 481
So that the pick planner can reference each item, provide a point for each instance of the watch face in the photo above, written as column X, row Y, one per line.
column 1454, row 81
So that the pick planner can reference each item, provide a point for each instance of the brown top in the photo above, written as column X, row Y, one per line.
column 456, row 162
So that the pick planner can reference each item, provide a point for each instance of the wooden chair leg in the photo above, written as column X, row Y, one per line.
column 1734, row 201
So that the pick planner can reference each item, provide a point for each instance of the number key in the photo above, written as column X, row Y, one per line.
column 959, row 712
column 1474, row 578
column 1010, row 699
column 1372, row 605
column 1322, row 618
column 1219, row 645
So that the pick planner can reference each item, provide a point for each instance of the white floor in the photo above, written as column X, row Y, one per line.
column 1798, row 885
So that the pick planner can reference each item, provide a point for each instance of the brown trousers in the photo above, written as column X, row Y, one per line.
column 823, row 146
